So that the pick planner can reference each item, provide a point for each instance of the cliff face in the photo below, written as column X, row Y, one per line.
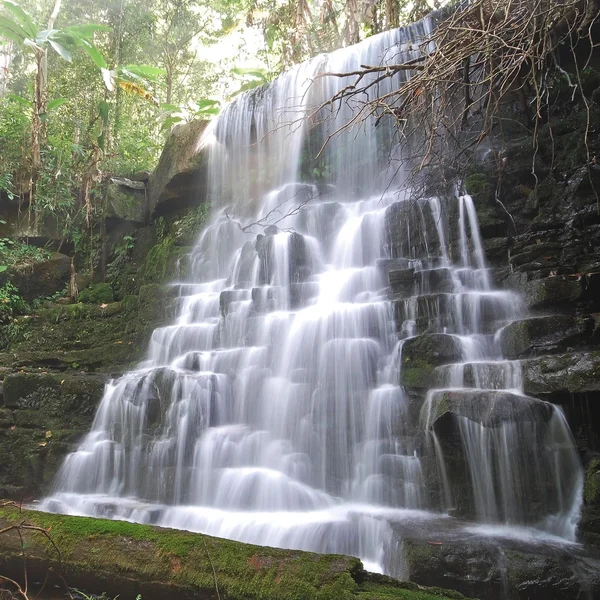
column 539, row 211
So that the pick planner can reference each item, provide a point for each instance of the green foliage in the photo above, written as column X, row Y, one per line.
column 14, row 253
column 11, row 302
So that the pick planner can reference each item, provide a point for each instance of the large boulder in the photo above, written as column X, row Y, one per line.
column 422, row 354
column 43, row 278
column 126, row 200
column 179, row 180
column 486, row 407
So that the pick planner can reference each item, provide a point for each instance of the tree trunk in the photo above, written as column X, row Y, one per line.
column 43, row 71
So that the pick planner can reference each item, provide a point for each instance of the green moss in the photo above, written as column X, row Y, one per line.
column 160, row 262
column 97, row 293
column 112, row 550
column 419, row 376
column 29, row 390
column 591, row 490
column 478, row 185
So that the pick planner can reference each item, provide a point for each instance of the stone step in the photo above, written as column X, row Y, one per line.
column 494, row 375
column 465, row 312
column 572, row 373
column 543, row 335
column 228, row 297
column 296, row 295
column 420, row 356
column 489, row 408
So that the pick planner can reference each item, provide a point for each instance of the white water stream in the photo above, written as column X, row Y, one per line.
column 271, row 410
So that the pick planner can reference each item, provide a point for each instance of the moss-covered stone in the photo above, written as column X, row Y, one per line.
column 574, row 373
column 430, row 350
column 551, row 292
column 541, row 334
column 489, row 408
column 48, row 414
column 180, row 176
column 591, row 490
column 43, row 278
column 118, row 557
column 21, row 389
column 97, row 293
column 126, row 200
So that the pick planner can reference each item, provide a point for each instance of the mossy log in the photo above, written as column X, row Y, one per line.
column 128, row 559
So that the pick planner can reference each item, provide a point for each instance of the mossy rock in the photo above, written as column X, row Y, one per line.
column 180, row 177
column 541, row 334
column 97, row 293
column 574, row 373
column 26, row 390
column 126, row 200
column 591, row 489
column 551, row 292
column 489, row 408
column 431, row 350
column 43, row 278
column 129, row 559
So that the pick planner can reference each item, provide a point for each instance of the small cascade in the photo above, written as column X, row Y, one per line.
column 334, row 369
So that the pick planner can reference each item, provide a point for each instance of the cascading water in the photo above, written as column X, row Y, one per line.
column 271, row 411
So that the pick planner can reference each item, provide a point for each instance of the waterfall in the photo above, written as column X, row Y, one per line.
column 274, row 410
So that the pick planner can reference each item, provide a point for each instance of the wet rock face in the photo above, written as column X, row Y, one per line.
column 539, row 335
column 488, row 408
column 501, row 570
column 44, row 417
column 403, row 223
column 543, row 242
column 179, row 180
column 282, row 256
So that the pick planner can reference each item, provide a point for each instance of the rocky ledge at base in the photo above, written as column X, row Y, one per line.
column 127, row 559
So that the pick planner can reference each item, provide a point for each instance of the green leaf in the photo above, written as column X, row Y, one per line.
column 247, row 72
column 86, row 30
column 9, row 32
column 249, row 85
column 168, row 123
column 56, row 103
column 20, row 100
column 144, row 71
column 170, row 107
column 61, row 50
column 209, row 111
column 3, row 268
column 94, row 54
column 207, row 103
column 22, row 18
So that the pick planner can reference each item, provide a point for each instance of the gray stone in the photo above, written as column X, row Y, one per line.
column 126, row 200
column 486, row 407
column 572, row 373
column 431, row 350
column 537, row 335
column 43, row 278
column 180, row 178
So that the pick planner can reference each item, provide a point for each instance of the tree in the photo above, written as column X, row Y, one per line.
column 17, row 26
